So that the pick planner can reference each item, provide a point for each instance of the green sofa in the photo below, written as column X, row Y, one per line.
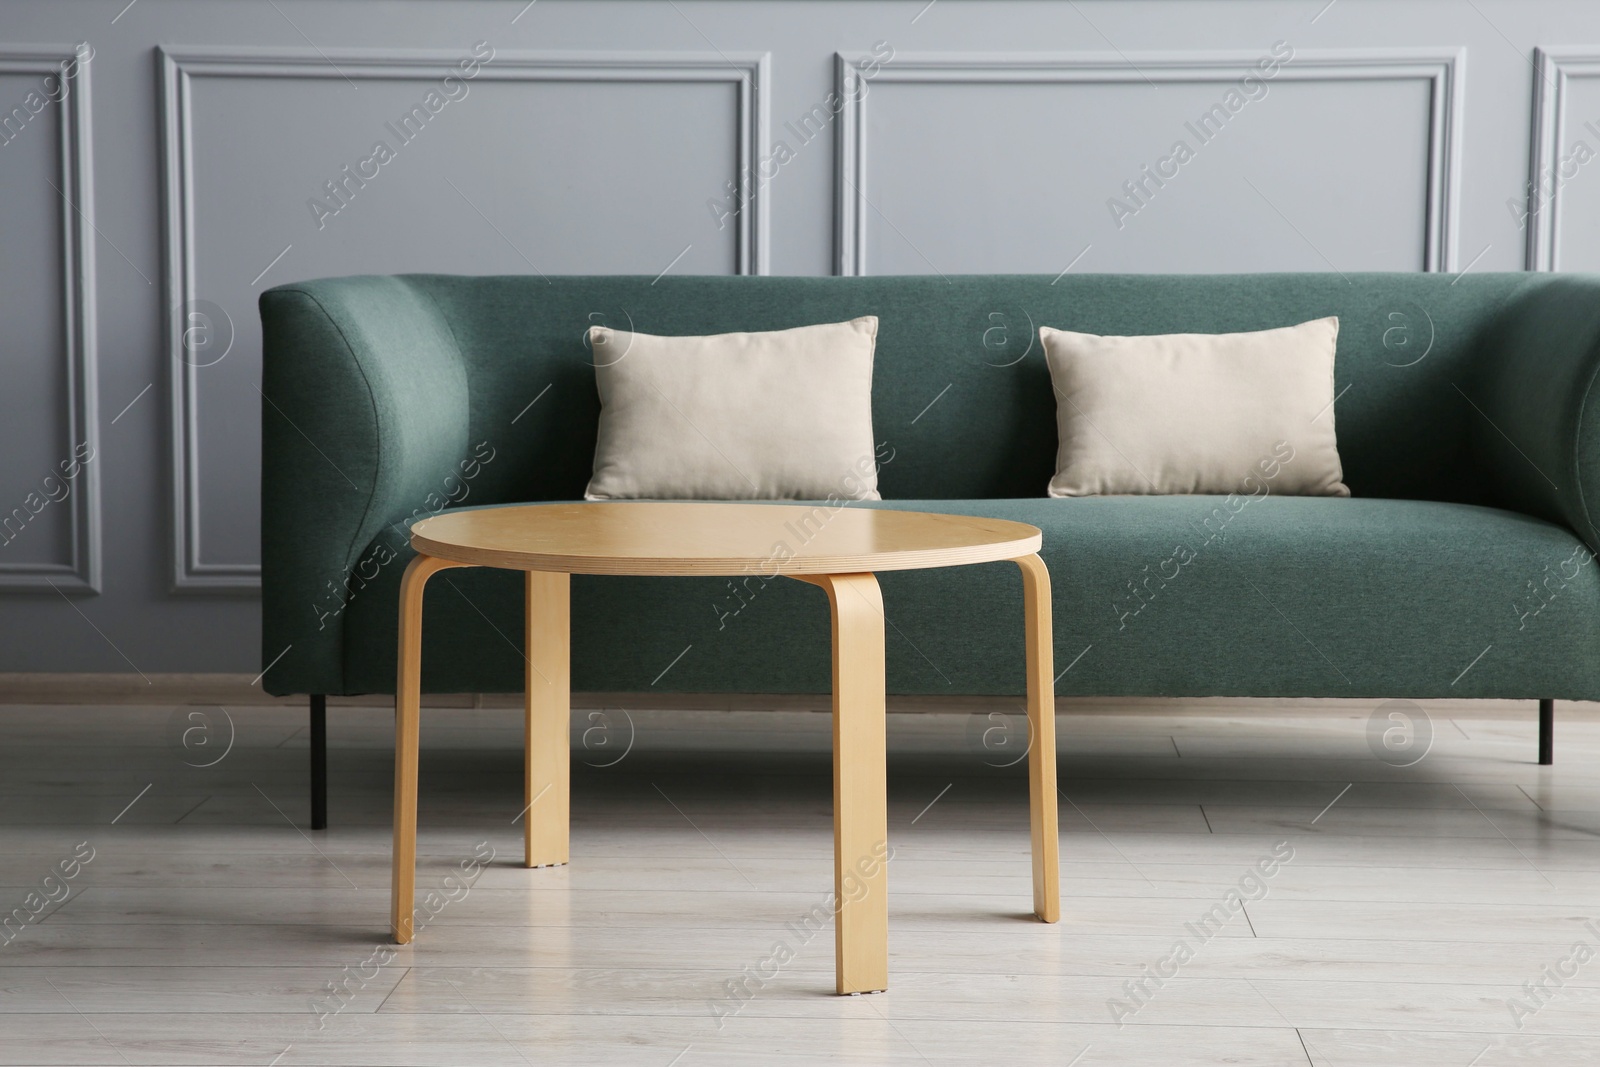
column 1460, row 567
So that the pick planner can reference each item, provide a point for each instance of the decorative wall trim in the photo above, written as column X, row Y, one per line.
column 748, row 72
column 75, row 201
column 1553, row 69
column 1441, row 68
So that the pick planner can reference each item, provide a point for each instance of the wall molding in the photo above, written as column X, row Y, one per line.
column 1441, row 68
column 181, row 67
column 1553, row 69
column 74, row 196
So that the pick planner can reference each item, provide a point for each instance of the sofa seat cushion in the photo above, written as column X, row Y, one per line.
column 1153, row 596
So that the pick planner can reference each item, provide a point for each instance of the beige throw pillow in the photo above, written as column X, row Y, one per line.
column 1196, row 413
column 785, row 415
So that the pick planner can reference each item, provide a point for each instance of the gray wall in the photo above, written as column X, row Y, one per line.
column 174, row 178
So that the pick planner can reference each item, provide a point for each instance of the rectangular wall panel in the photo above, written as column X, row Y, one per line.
column 49, row 437
column 283, row 165
column 1180, row 162
column 1560, row 208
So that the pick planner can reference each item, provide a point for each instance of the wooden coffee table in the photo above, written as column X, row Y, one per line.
column 835, row 548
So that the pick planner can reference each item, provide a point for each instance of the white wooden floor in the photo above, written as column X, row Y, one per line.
column 210, row 926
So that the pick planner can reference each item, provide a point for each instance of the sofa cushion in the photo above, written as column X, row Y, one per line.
column 1154, row 596
column 1195, row 412
column 774, row 415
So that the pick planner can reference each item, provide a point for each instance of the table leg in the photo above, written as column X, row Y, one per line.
column 547, row 739
column 1042, row 730
column 407, row 707
column 860, row 804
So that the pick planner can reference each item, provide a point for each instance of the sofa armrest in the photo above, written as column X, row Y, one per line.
column 1538, row 438
column 364, row 413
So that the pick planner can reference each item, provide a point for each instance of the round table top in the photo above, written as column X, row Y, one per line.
column 651, row 538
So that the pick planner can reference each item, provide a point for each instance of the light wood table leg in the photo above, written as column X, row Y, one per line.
column 860, row 802
column 1042, row 729
column 407, row 713
column 547, row 725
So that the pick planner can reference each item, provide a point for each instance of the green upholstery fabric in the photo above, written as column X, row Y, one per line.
column 364, row 408
column 1457, row 401
column 1289, row 596
column 1536, row 386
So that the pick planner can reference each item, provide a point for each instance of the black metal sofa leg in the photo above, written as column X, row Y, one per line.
column 319, row 761
column 1547, row 729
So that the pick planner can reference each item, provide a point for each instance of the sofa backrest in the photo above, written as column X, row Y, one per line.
column 961, row 392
